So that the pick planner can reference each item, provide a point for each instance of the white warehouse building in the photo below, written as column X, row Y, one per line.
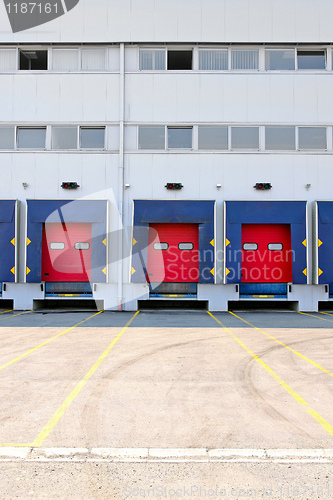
column 167, row 151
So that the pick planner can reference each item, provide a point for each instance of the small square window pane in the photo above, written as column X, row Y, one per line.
column 312, row 138
column 31, row 138
column 180, row 138
column 92, row 138
column 151, row 137
column 33, row 59
column 213, row 138
column 93, row 59
column 245, row 137
column 311, row 59
column 152, row 60
column 213, row 60
column 280, row 138
column 65, row 59
column 7, row 137
column 244, row 59
column 280, row 59
column 64, row 137
column 179, row 60
column 8, row 60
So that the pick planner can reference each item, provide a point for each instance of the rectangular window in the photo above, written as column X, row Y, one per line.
column 31, row 138
column 65, row 59
column 179, row 60
column 7, row 137
column 213, row 137
column 280, row 138
column 64, row 137
column 311, row 59
column 152, row 60
column 245, row 137
column 180, row 138
column 8, row 60
column 312, row 138
column 244, row 59
column 213, row 60
column 151, row 137
column 93, row 59
column 282, row 60
column 33, row 60
column 92, row 138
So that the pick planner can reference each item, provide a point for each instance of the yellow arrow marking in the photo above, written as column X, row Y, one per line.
column 320, row 272
column 133, row 271
column 305, row 272
column 28, row 241
column 304, row 243
column 104, row 242
column 28, row 270
column 104, row 271
column 134, row 241
column 319, row 243
column 227, row 271
column 212, row 272
column 212, row 242
column 13, row 241
column 227, row 242
column 12, row 270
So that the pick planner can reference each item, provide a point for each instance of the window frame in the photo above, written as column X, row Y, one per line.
column 312, row 49
column 85, row 127
column 178, row 127
column 25, row 127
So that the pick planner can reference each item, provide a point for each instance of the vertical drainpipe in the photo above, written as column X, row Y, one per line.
column 121, row 175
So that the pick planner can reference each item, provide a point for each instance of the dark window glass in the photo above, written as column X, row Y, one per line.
column 33, row 59
column 179, row 59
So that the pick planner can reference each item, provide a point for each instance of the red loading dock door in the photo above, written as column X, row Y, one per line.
column 66, row 252
column 266, row 253
column 173, row 253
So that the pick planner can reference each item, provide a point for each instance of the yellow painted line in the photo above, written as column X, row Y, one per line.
column 45, row 343
column 69, row 400
column 18, row 314
column 3, row 312
column 325, row 425
column 313, row 316
column 328, row 314
column 285, row 345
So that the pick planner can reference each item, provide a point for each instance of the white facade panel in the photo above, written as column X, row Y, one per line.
column 305, row 99
column 24, row 98
column 175, row 21
column 237, row 20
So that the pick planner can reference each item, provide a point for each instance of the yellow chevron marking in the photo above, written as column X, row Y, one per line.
column 320, row 272
column 305, row 272
column 134, row 241
column 104, row 271
column 13, row 241
column 133, row 271
column 13, row 270
column 212, row 243
column 227, row 242
column 28, row 270
column 304, row 243
column 212, row 272
column 319, row 243
column 227, row 271
column 28, row 241
column 104, row 242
